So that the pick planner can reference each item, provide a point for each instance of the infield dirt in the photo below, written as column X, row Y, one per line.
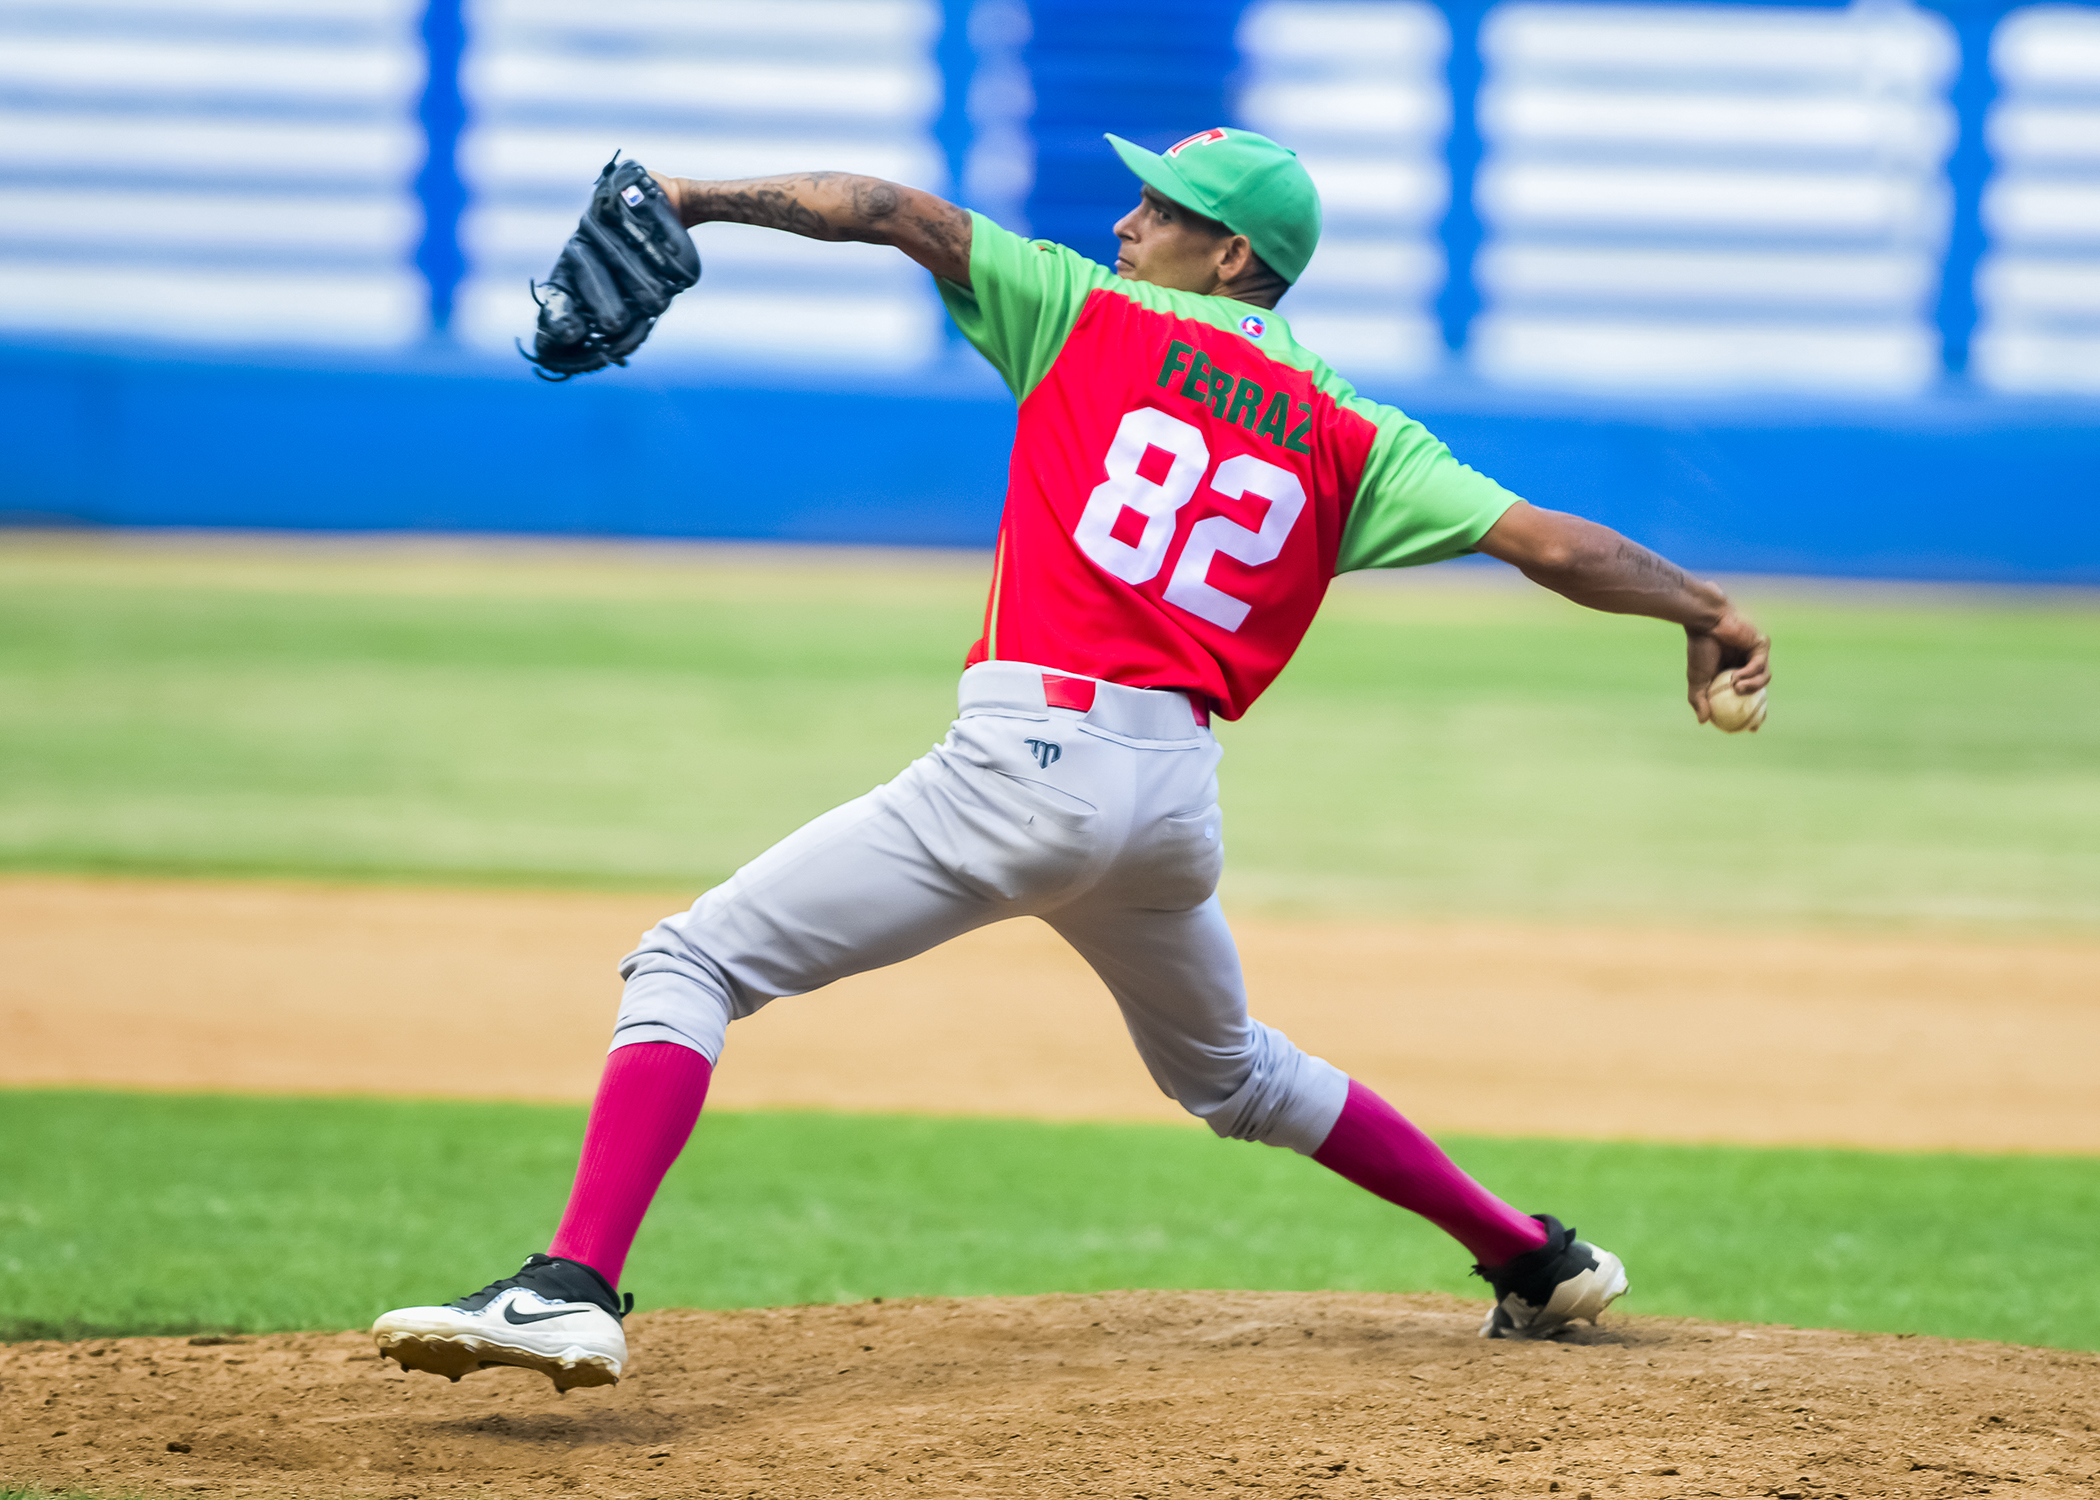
column 1902, row 1041
column 1127, row 1394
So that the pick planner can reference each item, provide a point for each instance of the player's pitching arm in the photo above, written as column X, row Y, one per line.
column 1595, row 566
column 835, row 206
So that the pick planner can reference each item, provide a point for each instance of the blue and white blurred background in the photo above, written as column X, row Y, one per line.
column 1663, row 260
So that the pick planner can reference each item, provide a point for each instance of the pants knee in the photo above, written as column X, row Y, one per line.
column 674, row 994
column 1290, row 1098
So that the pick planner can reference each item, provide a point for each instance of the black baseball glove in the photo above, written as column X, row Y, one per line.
column 627, row 259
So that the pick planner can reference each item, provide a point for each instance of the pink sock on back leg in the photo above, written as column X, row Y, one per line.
column 649, row 1099
column 1377, row 1149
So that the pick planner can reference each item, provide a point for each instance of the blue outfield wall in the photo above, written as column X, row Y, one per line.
column 1954, row 488
column 446, row 444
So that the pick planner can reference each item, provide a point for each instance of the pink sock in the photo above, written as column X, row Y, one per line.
column 1379, row 1151
column 649, row 1099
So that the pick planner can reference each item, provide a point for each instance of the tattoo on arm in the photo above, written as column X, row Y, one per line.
column 944, row 232
column 874, row 202
column 1648, row 567
column 838, row 206
column 770, row 203
column 819, row 205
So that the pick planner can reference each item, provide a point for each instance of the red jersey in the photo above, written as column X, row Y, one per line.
column 1186, row 478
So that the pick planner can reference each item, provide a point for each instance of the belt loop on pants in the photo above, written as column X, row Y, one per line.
column 1139, row 713
column 1075, row 693
column 1079, row 693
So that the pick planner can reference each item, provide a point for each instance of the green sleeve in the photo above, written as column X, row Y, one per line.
column 1416, row 503
column 1022, row 300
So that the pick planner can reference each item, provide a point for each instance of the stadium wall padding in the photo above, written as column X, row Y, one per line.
column 1954, row 488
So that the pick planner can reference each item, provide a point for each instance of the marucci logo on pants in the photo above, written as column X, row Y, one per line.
column 1044, row 751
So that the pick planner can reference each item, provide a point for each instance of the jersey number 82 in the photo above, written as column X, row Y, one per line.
column 1160, row 501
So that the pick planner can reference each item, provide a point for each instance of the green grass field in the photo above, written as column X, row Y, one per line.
column 639, row 718
column 125, row 1213
column 526, row 716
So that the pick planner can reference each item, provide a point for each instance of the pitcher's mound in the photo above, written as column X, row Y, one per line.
column 1124, row 1394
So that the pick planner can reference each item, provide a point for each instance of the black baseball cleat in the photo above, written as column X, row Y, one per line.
column 559, row 1317
column 1542, row 1291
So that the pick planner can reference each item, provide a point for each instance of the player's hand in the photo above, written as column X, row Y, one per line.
column 1733, row 642
column 674, row 188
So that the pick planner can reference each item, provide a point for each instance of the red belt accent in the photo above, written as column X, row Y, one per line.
column 1068, row 692
column 1077, row 693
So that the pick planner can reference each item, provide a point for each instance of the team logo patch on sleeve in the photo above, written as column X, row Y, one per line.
column 1200, row 138
column 1254, row 325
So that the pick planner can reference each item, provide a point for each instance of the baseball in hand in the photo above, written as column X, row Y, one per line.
column 1732, row 712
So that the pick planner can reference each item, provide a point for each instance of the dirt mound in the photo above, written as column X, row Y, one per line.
column 1125, row 1394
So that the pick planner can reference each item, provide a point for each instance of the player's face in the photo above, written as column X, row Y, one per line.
column 1163, row 243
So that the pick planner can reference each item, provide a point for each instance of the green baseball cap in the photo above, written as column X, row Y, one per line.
column 1246, row 182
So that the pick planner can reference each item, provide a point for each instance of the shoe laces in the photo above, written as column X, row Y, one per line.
column 1532, row 1266
column 536, row 1274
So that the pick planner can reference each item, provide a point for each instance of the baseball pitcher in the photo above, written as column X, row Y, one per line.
column 1186, row 479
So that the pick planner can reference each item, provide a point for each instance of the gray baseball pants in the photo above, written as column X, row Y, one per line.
column 1102, row 822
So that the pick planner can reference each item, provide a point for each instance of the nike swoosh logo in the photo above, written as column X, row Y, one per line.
column 512, row 1315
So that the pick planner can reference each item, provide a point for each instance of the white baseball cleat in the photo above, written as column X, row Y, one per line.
column 559, row 1317
column 1542, row 1291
